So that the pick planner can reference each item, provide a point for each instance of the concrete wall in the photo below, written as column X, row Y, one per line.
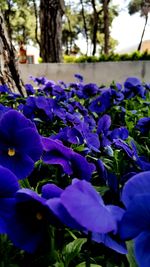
column 101, row 72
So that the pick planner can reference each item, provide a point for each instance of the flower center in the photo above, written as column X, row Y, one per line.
column 39, row 216
column 11, row 152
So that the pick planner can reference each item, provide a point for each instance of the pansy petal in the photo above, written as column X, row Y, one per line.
column 109, row 242
column 20, row 165
column 81, row 167
column 81, row 198
column 8, row 183
column 59, row 210
column 137, row 217
column 28, row 142
column 104, row 123
column 23, row 237
column 51, row 191
column 6, row 210
column 13, row 120
column 142, row 249
column 137, row 184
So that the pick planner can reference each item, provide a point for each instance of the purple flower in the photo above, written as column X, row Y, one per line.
column 20, row 144
column 29, row 89
column 71, row 162
column 4, row 89
column 119, row 133
column 112, row 241
column 103, row 126
column 85, row 206
column 143, row 125
column 79, row 77
column 89, row 90
column 8, row 187
column 135, row 223
column 133, row 87
column 101, row 103
column 133, row 154
column 27, row 226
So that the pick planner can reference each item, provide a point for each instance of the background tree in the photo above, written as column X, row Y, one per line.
column 70, row 28
column 20, row 19
column 9, row 73
column 142, row 6
column 51, row 12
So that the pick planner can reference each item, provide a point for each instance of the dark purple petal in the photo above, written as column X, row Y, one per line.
column 28, row 142
column 71, row 162
column 137, row 217
column 6, row 210
column 117, row 245
column 8, row 183
column 82, row 169
column 60, row 212
column 143, row 125
column 79, row 77
column 120, row 144
column 121, row 133
column 101, row 103
column 27, row 226
column 13, row 121
column 81, row 198
column 104, row 124
column 142, row 250
column 51, row 191
column 20, row 165
column 138, row 184
column 132, row 82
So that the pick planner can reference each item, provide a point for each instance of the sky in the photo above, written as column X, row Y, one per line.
column 126, row 29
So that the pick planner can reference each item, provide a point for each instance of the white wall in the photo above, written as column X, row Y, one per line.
column 101, row 72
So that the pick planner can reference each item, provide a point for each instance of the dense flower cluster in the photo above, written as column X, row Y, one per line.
column 74, row 159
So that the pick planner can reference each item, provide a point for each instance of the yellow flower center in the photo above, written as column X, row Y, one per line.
column 11, row 152
column 39, row 216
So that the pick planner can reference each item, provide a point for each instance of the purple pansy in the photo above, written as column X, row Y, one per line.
column 135, row 223
column 133, row 154
column 101, row 103
column 20, row 143
column 81, row 198
column 143, row 125
column 71, row 162
column 27, row 226
column 112, row 241
column 89, row 90
column 8, row 187
column 133, row 87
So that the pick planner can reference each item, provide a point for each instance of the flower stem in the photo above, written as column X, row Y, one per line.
column 88, row 247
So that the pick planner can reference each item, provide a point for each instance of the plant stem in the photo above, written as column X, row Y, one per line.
column 88, row 244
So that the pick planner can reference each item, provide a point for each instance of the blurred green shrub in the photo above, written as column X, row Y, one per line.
column 111, row 57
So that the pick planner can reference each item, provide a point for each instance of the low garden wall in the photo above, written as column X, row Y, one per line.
column 101, row 72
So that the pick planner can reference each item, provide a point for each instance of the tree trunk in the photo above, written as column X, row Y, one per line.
column 106, row 26
column 9, row 73
column 51, row 12
column 140, row 44
column 85, row 26
column 95, row 27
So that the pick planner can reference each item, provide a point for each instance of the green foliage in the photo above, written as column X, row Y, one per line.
column 135, row 56
column 83, row 265
column 20, row 19
column 130, row 255
column 72, row 250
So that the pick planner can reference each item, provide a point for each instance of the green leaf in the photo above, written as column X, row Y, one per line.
column 83, row 264
column 102, row 189
column 59, row 264
column 130, row 255
column 72, row 249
